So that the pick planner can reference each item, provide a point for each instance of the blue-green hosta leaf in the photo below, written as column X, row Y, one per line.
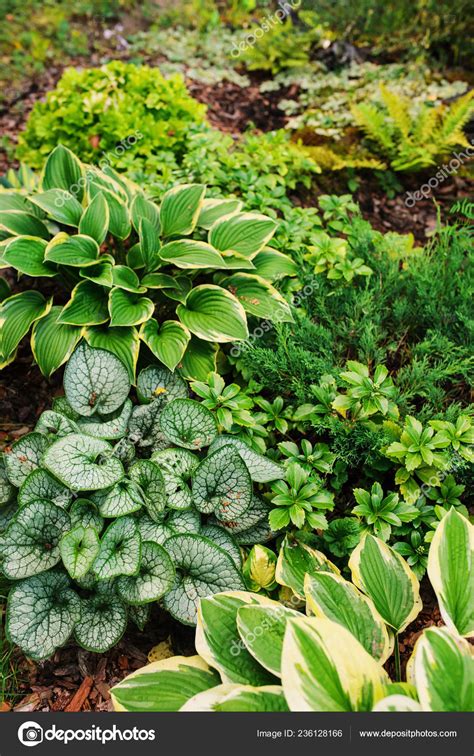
column 200, row 359
column 76, row 251
column 213, row 209
column 87, row 306
column 273, row 265
column 54, row 425
column 202, row 569
column 188, row 423
column 145, row 208
column 156, row 382
column 41, row 614
column 103, row 621
column 84, row 512
column 222, row 538
column 17, row 314
column 177, row 467
column 83, row 463
column 94, row 221
column 60, row 205
column 167, row 341
column 180, row 209
column 123, row 498
column 19, row 223
column 213, row 314
column 24, row 457
column 222, row 485
column 261, row 469
column 63, row 170
column 147, row 475
column 190, row 254
column 154, row 579
column 218, row 640
column 120, row 550
column 52, row 343
column 112, row 426
column 31, row 543
column 127, row 309
column 258, row 297
column 79, row 548
column 262, row 628
column 229, row 697
column 144, row 426
column 123, row 342
column 119, row 215
column 246, row 233
column 95, row 381
column 26, row 254
column 296, row 559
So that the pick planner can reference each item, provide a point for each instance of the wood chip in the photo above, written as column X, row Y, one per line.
column 81, row 695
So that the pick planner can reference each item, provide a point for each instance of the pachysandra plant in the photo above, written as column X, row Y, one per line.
column 181, row 277
column 115, row 505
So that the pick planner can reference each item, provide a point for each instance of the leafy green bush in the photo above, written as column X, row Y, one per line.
column 282, row 45
column 112, row 506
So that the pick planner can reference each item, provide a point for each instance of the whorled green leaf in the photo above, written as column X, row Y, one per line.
column 213, row 314
column 121, row 499
column 261, row 469
column 95, row 381
column 296, row 559
column 125, row 278
column 160, row 383
column 102, row 623
column 79, row 548
column 155, row 577
column 177, row 467
column 167, row 341
column 112, row 426
column 120, row 550
column 180, row 208
column 83, row 463
column 52, row 343
column 222, row 485
column 262, row 628
column 188, row 423
column 148, row 477
column 24, row 456
column 222, row 538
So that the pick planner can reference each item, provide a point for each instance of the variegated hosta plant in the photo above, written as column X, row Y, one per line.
column 110, row 505
column 255, row 654
column 181, row 276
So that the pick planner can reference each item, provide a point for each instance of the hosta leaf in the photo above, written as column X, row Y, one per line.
column 213, row 209
column 167, row 342
column 218, row 640
column 123, row 342
column 41, row 614
column 63, row 170
column 179, row 292
column 180, row 209
column 94, row 221
column 230, row 697
column 221, row 485
column 147, row 475
column 296, row 559
column 120, row 550
column 125, row 278
column 261, row 469
column 258, row 297
column 158, row 281
column 84, row 512
column 87, row 306
column 103, row 621
column 329, row 595
column 213, row 314
column 187, row 423
column 26, row 254
column 101, row 273
column 222, row 538
column 246, row 233
column 202, row 569
column 119, row 216
column 24, row 457
column 262, row 628
column 144, row 208
column 79, row 548
column 177, row 467
column 95, row 381
column 324, row 668
column 123, row 498
column 155, row 578
column 17, row 314
column 451, row 571
column 127, row 309
column 111, row 426
column 59, row 205
column 163, row 685
column 397, row 702
column 200, row 359
column 273, row 265
column 52, row 343
column 19, row 223
column 83, row 463
column 76, row 251
column 191, row 254
column 32, row 539
column 159, row 383
column 382, row 574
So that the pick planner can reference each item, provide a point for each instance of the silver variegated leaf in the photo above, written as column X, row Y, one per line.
column 111, row 427
column 79, row 548
column 160, row 383
column 177, row 466
column 261, row 469
column 24, row 457
column 41, row 485
column 95, row 381
column 188, row 423
column 103, row 621
column 83, row 463
column 147, row 475
column 123, row 498
column 154, row 579
column 120, row 550
column 221, row 485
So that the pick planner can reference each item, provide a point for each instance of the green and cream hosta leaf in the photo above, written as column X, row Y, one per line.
column 222, row 538
column 123, row 498
column 180, row 208
column 120, row 550
column 125, row 278
column 144, row 427
column 83, row 463
column 222, row 485
column 202, row 569
column 160, row 383
column 94, row 221
column 155, row 577
column 383, row 575
column 148, row 477
column 122, row 342
column 213, row 314
column 261, row 469
column 273, row 265
column 141, row 208
column 200, row 359
column 59, row 205
column 182, row 285
column 100, row 273
column 451, row 571
column 102, row 623
column 218, row 640
column 324, row 668
column 84, row 512
column 167, row 341
column 188, row 423
column 258, row 297
column 52, row 343
column 164, row 685
column 397, row 702
column 63, row 170
column 17, row 315
column 111, row 427
column 24, row 456
column 79, row 548
column 95, row 381
column 329, row 595
column 31, row 542
column 16, row 222
column 191, row 254
column 296, row 559
column 230, row 697
column 127, row 309
column 41, row 485
column 177, row 467
column 262, row 628
column 213, row 209
column 149, row 244
column 41, row 614
column 245, row 233
column 54, row 425
column 119, row 215
column 75, row 251
column 26, row 254
column 442, row 669
column 86, row 307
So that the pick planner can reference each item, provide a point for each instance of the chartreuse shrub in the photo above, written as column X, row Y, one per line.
column 181, row 276
column 112, row 505
column 255, row 654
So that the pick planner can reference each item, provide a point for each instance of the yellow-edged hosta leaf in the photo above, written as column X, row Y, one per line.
column 262, row 628
column 123, row 342
column 167, row 341
column 87, row 306
column 200, row 359
column 26, row 254
column 180, row 209
column 17, row 314
column 52, row 343
column 296, row 559
column 94, row 221
column 228, row 697
column 63, row 170
column 213, row 209
column 244, row 233
column 259, row 297
column 128, row 309
column 213, row 314
column 191, row 254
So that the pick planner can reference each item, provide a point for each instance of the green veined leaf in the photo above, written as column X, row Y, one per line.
column 63, row 170
column 296, row 559
column 245, row 233
column 26, row 254
column 258, row 297
column 200, row 359
column 156, row 382
column 148, row 476
column 76, row 251
column 213, row 314
column 123, row 342
column 83, row 463
column 159, row 281
column 17, row 314
column 79, row 548
column 111, row 426
column 184, row 522
column 94, row 221
column 121, row 499
column 39, row 484
column 127, row 309
column 155, row 577
column 223, row 539
column 180, row 209
column 52, row 343
column 168, row 342
column 213, row 209
column 102, row 623
column 87, row 306
column 157, row 532
column 140, row 615
column 84, row 512
column 222, row 485
column 179, row 292
column 120, row 550
column 54, row 425
column 191, row 254
column 95, row 381
column 59, row 205
column 261, row 469
column 188, row 423
column 144, row 429
column 262, row 628
column 242, row 527
column 19, row 223
column 15, row 201
column 24, row 456
column 149, row 244
column 177, row 467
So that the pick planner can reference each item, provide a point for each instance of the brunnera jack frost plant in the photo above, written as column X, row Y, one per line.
column 110, row 506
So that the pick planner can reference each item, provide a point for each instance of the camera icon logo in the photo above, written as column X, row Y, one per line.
column 30, row 734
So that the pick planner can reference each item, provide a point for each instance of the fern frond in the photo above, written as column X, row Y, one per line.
column 425, row 126
column 374, row 122
column 398, row 108
column 456, row 117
